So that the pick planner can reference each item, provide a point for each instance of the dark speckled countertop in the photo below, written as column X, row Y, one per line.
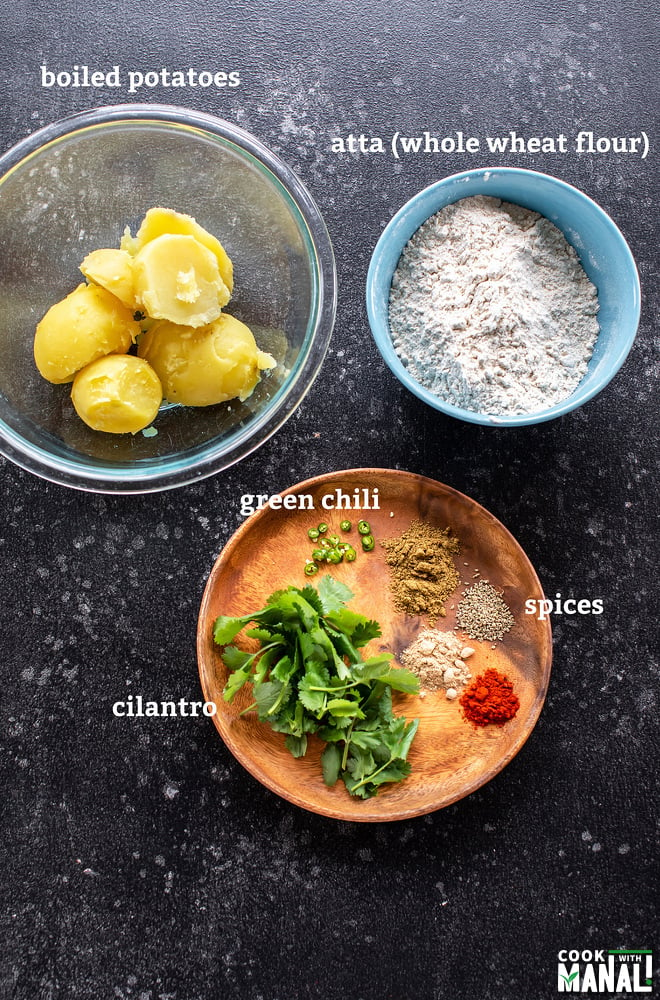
column 139, row 859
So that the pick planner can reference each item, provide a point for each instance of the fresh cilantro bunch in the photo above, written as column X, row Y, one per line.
column 309, row 677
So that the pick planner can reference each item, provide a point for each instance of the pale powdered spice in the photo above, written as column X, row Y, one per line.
column 438, row 659
column 491, row 310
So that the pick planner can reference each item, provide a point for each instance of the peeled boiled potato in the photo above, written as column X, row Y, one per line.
column 119, row 394
column 177, row 278
column 88, row 324
column 165, row 221
column 209, row 365
column 112, row 269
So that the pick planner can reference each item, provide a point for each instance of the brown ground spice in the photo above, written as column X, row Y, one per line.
column 423, row 574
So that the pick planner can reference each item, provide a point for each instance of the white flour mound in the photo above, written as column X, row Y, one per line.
column 491, row 309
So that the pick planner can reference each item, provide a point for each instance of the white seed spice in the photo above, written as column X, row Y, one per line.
column 482, row 613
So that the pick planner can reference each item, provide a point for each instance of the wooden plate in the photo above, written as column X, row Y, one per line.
column 450, row 757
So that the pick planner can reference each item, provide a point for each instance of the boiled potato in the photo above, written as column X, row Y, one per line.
column 112, row 269
column 209, row 365
column 88, row 324
column 119, row 394
column 165, row 221
column 176, row 278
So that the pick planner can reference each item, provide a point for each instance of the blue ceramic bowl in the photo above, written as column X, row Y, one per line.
column 603, row 251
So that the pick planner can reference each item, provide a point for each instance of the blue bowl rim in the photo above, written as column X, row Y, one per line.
column 400, row 225
column 204, row 460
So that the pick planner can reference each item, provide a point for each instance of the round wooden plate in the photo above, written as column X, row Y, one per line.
column 450, row 757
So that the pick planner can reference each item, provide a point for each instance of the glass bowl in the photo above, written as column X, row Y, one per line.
column 73, row 187
column 603, row 252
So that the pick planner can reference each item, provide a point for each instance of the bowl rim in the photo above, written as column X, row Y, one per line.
column 206, row 459
column 399, row 231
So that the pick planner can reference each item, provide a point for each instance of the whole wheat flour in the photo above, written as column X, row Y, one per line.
column 491, row 309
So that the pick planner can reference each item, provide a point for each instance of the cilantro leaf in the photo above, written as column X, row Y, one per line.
column 283, row 670
column 236, row 681
column 344, row 707
column 235, row 658
column 345, row 620
column 333, row 594
column 360, row 764
column 401, row 679
column 343, row 645
column 269, row 696
column 367, row 787
column 364, row 739
column 312, row 689
column 331, row 734
column 365, row 632
column 296, row 745
column 322, row 639
column 384, row 706
column 311, row 595
column 226, row 628
column 309, row 677
column 331, row 764
column 265, row 635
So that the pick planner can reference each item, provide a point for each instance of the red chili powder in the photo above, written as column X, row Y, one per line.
column 489, row 700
